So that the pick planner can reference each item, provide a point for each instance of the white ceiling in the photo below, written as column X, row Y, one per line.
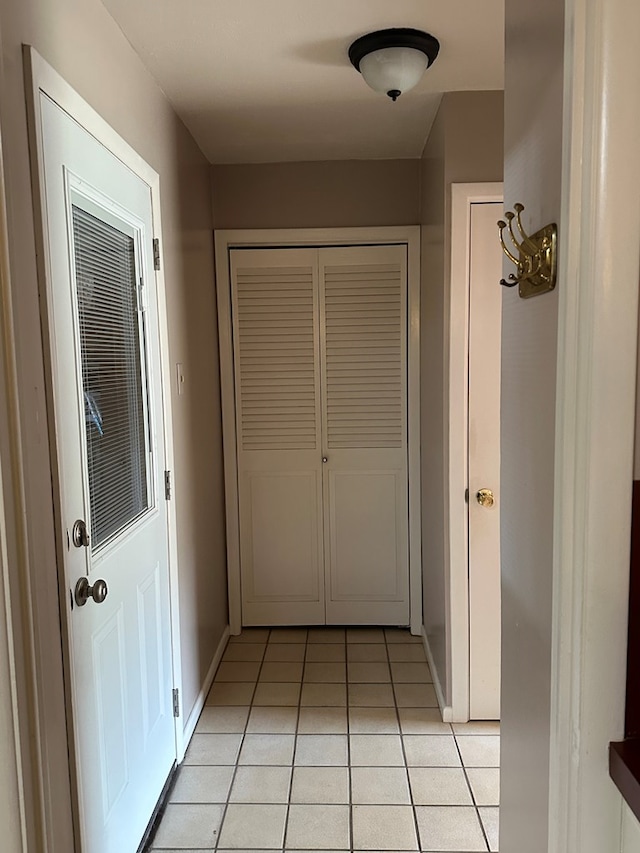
column 270, row 80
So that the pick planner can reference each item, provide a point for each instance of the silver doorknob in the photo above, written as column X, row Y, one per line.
column 325, row 459
column 485, row 497
column 83, row 591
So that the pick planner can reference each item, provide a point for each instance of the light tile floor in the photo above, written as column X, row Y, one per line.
column 331, row 740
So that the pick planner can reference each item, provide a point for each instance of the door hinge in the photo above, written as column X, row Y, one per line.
column 466, row 496
column 167, row 485
column 176, row 702
column 156, row 253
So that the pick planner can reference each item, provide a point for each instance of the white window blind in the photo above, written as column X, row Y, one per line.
column 276, row 362
column 364, row 357
column 111, row 340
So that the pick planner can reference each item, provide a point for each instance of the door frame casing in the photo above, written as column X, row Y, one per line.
column 225, row 240
column 50, row 625
column 463, row 195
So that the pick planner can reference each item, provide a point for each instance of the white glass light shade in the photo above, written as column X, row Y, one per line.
column 393, row 69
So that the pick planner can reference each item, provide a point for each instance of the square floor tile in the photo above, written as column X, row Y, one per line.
column 251, row 635
column 449, row 828
column 322, row 721
column 244, row 652
column 324, row 695
column 213, row 749
column 485, row 784
column 261, row 785
column 401, row 635
column 479, row 750
column 415, row 696
column 406, row 652
column 326, row 635
column 380, row 786
column 273, row 693
column 325, row 672
column 285, row 652
column 439, row 786
column 321, row 750
column 229, row 693
column 189, row 825
column 318, row 828
column 491, row 822
column 431, row 751
column 321, row 652
column 251, row 826
column 371, row 696
column 288, row 635
column 272, row 720
column 422, row 721
column 368, row 673
column 202, row 785
column 384, row 828
column 238, row 671
column 367, row 652
column 267, row 749
column 376, row 751
column 320, row 785
column 365, row 635
column 410, row 672
column 281, row 671
column 224, row 719
column 373, row 721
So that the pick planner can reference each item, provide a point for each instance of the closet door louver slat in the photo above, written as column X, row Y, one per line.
column 275, row 317
column 364, row 356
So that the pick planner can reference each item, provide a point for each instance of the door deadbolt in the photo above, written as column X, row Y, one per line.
column 485, row 497
column 83, row 591
column 80, row 534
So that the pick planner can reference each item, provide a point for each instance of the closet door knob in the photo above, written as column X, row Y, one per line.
column 325, row 459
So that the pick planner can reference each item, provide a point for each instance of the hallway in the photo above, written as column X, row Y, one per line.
column 325, row 739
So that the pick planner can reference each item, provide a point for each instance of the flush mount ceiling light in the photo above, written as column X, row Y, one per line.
column 393, row 61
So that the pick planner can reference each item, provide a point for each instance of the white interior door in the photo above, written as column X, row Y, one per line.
column 485, row 311
column 320, row 370
column 363, row 310
column 107, row 398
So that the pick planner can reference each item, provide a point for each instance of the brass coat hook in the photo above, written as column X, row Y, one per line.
column 534, row 257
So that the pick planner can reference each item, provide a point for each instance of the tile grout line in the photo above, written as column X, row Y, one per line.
column 404, row 754
column 473, row 799
column 348, row 714
column 242, row 739
column 295, row 743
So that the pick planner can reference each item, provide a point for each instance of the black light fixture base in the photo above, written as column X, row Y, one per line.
column 395, row 37
column 394, row 94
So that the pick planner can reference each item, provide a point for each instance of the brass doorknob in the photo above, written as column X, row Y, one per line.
column 485, row 497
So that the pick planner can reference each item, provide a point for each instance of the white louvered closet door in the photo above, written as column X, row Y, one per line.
column 320, row 364
column 277, row 371
column 363, row 307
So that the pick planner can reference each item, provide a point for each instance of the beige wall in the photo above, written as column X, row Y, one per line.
column 465, row 145
column 87, row 48
column 533, row 162
column 316, row 195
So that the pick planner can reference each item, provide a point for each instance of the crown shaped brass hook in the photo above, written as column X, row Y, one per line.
column 535, row 260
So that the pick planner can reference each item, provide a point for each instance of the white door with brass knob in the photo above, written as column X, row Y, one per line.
column 484, row 463
column 109, row 427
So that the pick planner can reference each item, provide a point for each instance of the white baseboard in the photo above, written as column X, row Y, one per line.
column 445, row 710
column 194, row 716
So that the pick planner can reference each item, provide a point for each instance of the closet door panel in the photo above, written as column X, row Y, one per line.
column 363, row 354
column 278, row 422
